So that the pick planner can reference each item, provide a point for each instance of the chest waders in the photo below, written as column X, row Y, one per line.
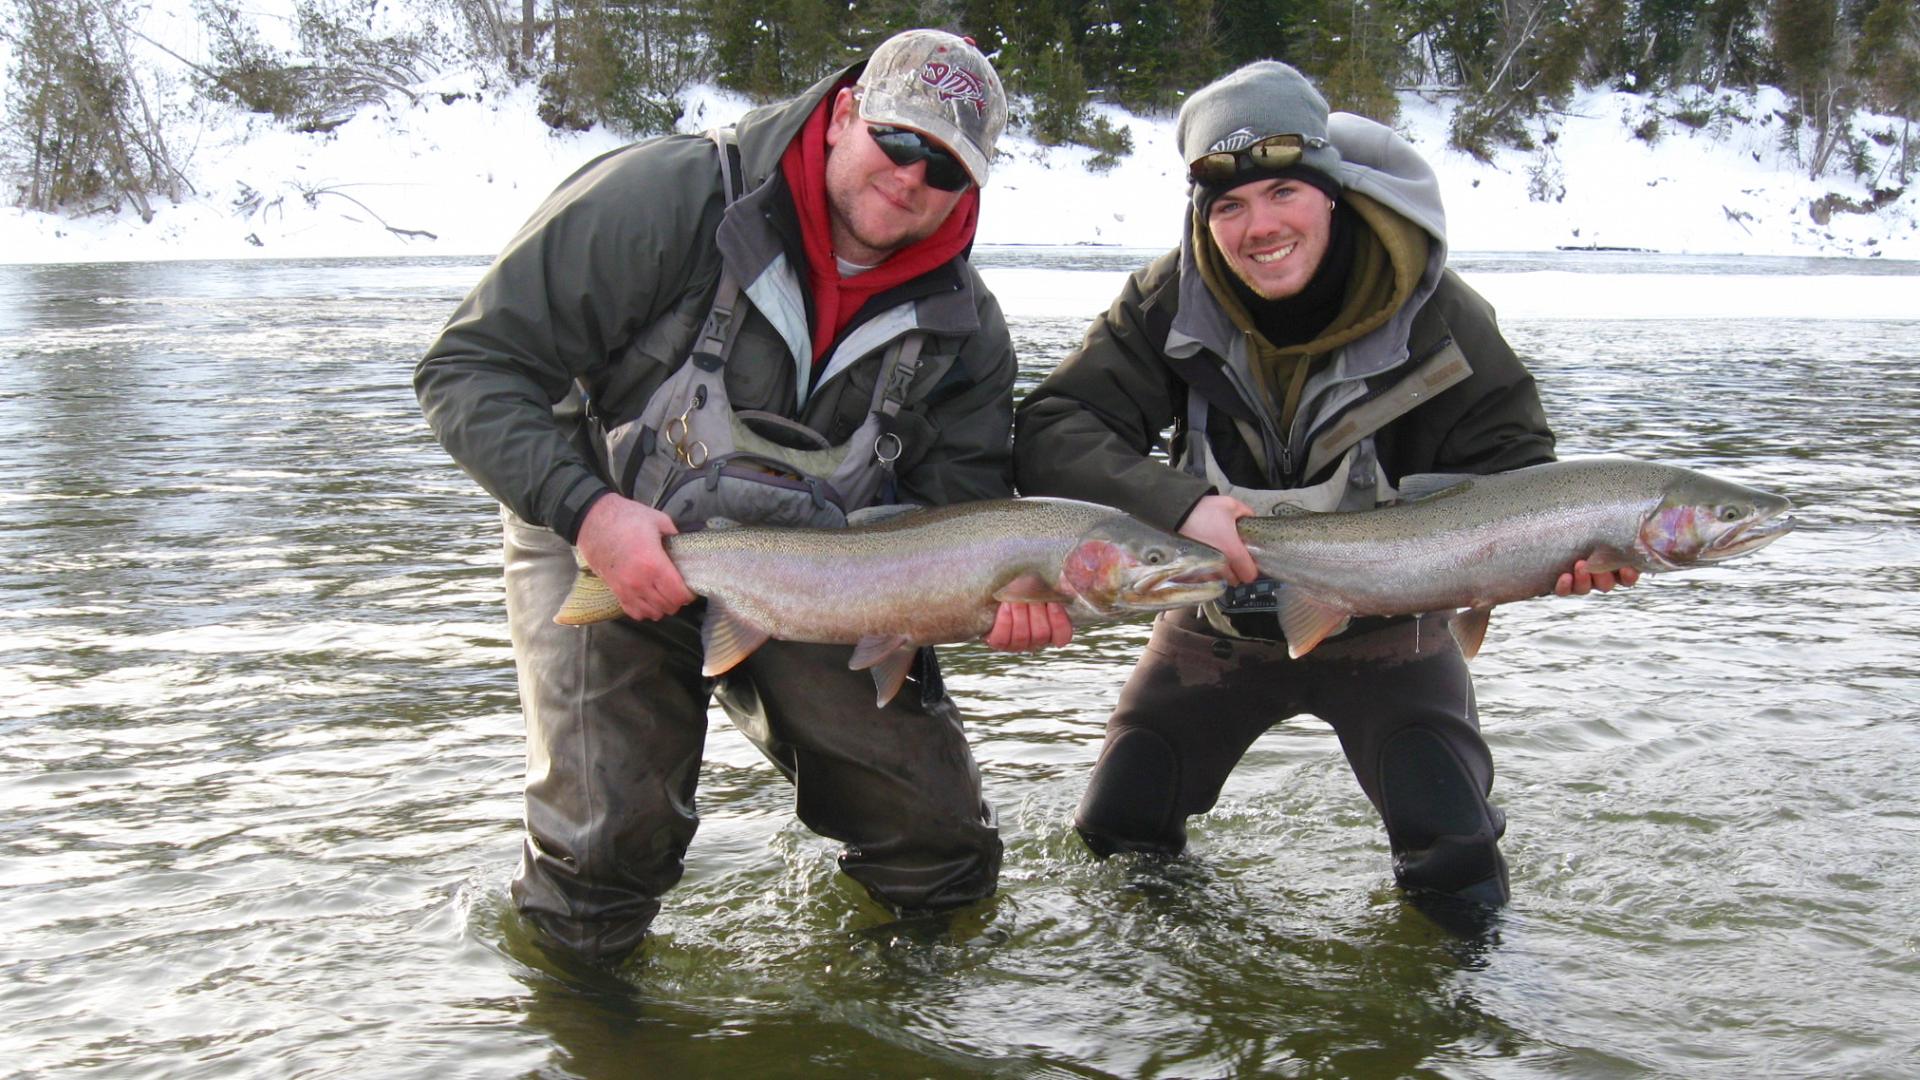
column 616, row 713
column 1404, row 712
column 1356, row 483
column 692, row 455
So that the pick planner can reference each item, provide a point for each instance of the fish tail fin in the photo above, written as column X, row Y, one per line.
column 591, row 601
column 1470, row 629
column 727, row 639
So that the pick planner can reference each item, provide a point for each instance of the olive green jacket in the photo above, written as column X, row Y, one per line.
column 1458, row 398
column 603, row 292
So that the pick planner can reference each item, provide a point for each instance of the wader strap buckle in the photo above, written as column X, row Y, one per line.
column 897, row 376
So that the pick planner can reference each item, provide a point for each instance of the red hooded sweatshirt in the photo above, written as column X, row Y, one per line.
column 836, row 299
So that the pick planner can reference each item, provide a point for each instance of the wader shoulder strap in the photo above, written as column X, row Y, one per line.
column 1193, row 455
column 1446, row 367
column 717, row 334
column 1193, row 460
column 897, row 369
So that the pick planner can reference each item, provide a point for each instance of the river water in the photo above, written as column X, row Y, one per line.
column 261, row 758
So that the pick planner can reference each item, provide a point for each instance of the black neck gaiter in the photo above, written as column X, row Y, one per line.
column 1300, row 318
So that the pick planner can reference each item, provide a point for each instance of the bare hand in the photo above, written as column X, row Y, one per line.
column 1581, row 581
column 1214, row 521
column 622, row 541
column 1029, row 627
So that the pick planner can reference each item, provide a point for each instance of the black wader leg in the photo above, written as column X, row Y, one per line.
column 616, row 722
column 1193, row 705
column 1412, row 735
column 897, row 785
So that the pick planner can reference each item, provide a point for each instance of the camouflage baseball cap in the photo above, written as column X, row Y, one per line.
column 939, row 85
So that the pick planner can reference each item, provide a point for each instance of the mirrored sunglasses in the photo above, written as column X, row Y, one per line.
column 1272, row 152
column 904, row 147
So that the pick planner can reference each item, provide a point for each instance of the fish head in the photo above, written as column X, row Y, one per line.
column 1123, row 565
column 1702, row 520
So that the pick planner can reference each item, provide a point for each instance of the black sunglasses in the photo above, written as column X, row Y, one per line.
column 904, row 147
column 1272, row 152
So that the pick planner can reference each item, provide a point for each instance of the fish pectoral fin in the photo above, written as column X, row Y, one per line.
column 591, row 601
column 727, row 639
column 1606, row 562
column 1307, row 621
column 890, row 671
column 1030, row 588
column 1470, row 629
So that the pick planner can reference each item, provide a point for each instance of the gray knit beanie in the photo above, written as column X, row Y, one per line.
column 1264, row 98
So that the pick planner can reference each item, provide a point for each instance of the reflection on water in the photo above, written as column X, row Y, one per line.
column 262, row 756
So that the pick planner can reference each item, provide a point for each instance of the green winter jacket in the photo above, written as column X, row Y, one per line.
column 605, row 288
column 1454, row 395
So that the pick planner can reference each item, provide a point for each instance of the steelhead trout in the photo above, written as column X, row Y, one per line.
column 901, row 578
column 1475, row 541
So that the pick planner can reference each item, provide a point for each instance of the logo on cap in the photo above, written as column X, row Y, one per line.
column 1232, row 140
column 954, row 83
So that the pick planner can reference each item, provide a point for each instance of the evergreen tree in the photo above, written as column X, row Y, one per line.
column 619, row 62
column 1058, row 86
column 1255, row 30
column 1728, row 46
column 1888, row 67
column 1146, row 55
column 1812, row 49
column 1354, row 51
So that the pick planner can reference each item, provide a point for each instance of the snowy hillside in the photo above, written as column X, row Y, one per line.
column 457, row 173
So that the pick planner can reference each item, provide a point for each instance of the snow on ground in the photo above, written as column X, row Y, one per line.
column 458, row 173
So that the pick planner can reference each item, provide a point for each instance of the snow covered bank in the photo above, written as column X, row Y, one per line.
column 457, row 174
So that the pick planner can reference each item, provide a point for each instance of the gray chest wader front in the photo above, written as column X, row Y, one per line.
column 1356, row 483
column 692, row 455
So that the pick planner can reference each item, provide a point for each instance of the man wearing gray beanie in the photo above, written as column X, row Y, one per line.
column 1308, row 348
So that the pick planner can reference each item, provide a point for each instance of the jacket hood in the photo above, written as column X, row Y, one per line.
column 764, row 133
column 1374, row 162
column 1378, row 163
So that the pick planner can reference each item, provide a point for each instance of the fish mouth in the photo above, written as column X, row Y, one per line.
column 1750, row 536
column 1177, row 584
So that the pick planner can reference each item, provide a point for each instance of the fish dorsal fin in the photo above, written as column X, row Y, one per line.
column 727, row 639
column 873, row 515
column 591, row 601
column 1307, row 621
column 874, row 648
column 1470, row 629
column 1030, row 588
column 889, row 666
column 1420, row 486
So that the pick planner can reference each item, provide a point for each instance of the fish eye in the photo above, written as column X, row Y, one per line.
column 1154, row 557
column 1731, row 514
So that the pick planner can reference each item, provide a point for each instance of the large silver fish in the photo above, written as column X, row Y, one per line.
column 1475, row 541
column 905, row 577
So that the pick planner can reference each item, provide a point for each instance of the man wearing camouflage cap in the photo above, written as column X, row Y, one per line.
column 678, row 334
column 1309, row 349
